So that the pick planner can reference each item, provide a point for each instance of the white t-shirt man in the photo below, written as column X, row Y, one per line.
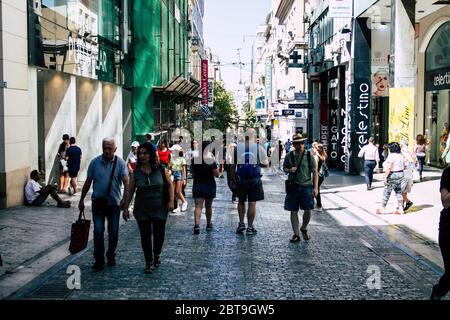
column 31, row 190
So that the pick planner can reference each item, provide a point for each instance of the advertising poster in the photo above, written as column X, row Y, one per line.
column 401, row 114
column 380, row 81
column 204, row 82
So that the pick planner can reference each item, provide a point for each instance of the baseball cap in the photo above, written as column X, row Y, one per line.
column 135, row 144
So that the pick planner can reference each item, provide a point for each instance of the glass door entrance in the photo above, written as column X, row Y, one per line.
column 437, row 118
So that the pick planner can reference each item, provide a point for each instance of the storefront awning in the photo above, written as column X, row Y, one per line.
column 179, row 86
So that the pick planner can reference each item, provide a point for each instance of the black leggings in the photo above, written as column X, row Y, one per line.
column 147, row 228
column 318, row 197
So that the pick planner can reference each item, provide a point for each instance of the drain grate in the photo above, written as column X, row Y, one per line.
column 51, row 291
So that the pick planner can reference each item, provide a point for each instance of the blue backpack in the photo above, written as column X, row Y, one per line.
column 250, row 168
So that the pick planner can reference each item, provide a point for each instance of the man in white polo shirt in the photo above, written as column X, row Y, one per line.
column 371, row 161
column 36, row 195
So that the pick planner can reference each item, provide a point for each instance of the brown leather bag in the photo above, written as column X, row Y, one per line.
column 79, row 234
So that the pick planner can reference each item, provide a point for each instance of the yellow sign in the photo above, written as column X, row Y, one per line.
column 275, row 122
column 401, row 114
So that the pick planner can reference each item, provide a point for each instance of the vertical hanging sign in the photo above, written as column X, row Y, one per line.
column 269, row 80
column 204, row 82
column 211, row 93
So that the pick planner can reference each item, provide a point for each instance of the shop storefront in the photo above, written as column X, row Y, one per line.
column 77, row 48
column 437, row 92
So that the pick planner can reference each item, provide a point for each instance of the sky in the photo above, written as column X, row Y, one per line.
column 229, row 25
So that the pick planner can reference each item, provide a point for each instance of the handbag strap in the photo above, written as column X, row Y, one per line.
column 111, row 177
column 81, row 215
column 293, row 162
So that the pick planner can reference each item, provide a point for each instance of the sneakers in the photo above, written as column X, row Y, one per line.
column 184, row 206
column 98, row 266
column 251, row 231
column 408, row 205
column 177, row 210
column 319, row 209
column 241, row 228
column 209, row 227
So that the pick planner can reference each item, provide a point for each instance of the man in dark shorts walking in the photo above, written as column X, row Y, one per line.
column 246, row 177
column 302, row 169
column 73, row 158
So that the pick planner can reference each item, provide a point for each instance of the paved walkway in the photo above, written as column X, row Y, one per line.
column 223, row 265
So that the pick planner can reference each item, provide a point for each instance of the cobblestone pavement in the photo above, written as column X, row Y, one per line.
column 222, row 265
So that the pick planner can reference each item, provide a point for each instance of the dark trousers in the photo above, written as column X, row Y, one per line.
column 319, row 198
column 443, row 287
column 149, row 228
column 421, row 161
column 369, row 166
column 113, row 218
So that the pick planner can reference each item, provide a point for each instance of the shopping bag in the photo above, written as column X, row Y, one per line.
column 79, row 234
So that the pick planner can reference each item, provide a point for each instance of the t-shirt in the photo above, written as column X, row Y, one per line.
column 100, row 171
column 74, row 154
column 132, row 159
column 31, row 190
column 303, row 176
column 203, row 173
column 164, row 156
column 249, row 153
column 420, row 150
column 177, row 163
column 397, row 160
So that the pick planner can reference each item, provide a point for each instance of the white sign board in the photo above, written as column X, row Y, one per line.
column 340, row 9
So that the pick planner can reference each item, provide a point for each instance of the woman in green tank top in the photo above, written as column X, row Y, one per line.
column 154, row 199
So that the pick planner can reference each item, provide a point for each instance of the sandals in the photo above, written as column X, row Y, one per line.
column 305, row 234
column 196, row 229
column 157, row 261
column 209, row 227
column 295, row 238
column 148, row 268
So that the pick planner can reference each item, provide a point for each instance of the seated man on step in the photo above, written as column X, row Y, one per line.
column 36, row 195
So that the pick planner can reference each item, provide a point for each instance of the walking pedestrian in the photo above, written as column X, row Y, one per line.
column 322, row 169
column 280, row 151
column 132, row 157
column 164, row 154
column 246, row 178
column 149, row 137
column 288, row 145
column 154, row 198
column 178, row 167
column 231, row 151
column 408, row 179
column 303, row 174
column 36, row 195
column 371, row 161
column 420, row 152
column 63, row 169
column 443, row 143
column 106, row 172
column 393, row 178
column 73, row 158
column 204, row 186
column 446, row 153
column 443, row 286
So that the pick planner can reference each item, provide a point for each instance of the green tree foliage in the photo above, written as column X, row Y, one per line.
column 224, row 112
column 250, row 117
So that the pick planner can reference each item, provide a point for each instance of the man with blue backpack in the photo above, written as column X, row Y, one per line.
column 246, row 176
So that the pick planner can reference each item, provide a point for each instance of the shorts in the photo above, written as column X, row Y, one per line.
column 250, row 190
column 203, row 191
column 177, row 175
column 301, row 199
column 73, row 174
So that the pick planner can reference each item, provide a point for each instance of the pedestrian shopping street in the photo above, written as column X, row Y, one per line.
column 347, row 244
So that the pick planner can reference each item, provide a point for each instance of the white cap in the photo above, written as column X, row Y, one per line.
column 135, row 144
column 176, row 147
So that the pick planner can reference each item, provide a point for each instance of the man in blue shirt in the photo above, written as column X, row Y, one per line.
column 104, row 204
column 73, row 158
